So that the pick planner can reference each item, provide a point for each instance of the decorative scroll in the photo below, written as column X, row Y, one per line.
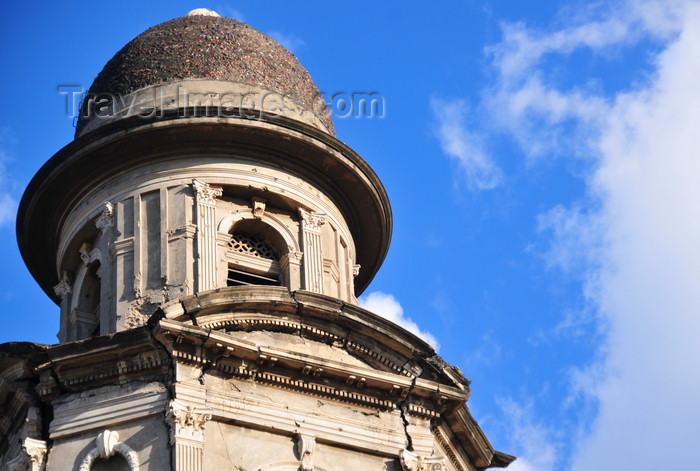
column 187, row 424
column 65, row 286
column 32, row 457
column 411, row 461
column 88, row 254
column 312, row 221
column 107, row 444
column 258, row 207
column 106, row 219
column 305, row 447
column 205, row 193
column 186, row 421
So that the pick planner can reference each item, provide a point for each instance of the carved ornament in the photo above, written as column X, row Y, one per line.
column 411, row 461
column 258, row 207
column 311, row 221
column 305, row 447
column 293, row 255
column 65, row 286
column 88, row 254
column 186, row 421
column 107, row 444
column 106, row 219
column 32, row 457
column 206, row 193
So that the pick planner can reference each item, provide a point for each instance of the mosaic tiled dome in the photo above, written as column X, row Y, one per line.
column 204, row 45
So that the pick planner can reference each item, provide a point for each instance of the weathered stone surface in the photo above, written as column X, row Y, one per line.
column 211, row 48
column 147, row 437
column 207, row 272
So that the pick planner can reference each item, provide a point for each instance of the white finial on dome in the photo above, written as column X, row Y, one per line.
column 202, row 12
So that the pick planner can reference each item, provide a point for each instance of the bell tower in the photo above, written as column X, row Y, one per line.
column 206, row 237
column 190, row 173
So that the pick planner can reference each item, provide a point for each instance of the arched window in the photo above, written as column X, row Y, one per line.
column 110, row 454
column 113, row 463
column 86, row 311
column 251, row 255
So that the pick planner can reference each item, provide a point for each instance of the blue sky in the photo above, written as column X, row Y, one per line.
column 541, row 160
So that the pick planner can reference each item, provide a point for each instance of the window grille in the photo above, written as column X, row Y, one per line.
column 251, row 262
column 251, row 245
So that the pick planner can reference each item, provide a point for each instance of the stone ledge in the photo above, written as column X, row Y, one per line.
column 106, row 407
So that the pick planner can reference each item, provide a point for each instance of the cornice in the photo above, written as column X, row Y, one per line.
column 227, row 356
column 317, row 317
column 109, row 359
column 468, row 433
column 74, row 414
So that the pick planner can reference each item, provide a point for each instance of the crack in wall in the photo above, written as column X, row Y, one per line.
column 170, row 388
column 402, row 405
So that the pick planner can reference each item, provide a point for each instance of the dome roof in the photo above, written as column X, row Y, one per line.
column 203, row 45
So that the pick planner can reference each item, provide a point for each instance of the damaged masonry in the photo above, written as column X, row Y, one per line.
column 207, row 273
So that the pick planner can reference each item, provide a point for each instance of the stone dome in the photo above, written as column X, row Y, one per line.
column 206, row 46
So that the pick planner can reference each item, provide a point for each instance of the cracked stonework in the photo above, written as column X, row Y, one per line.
column 401, row 405
column 139, row 312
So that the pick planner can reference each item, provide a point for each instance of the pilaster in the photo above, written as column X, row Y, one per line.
column 105, row 223
column 187, row 424
column 63, row 290
column 311, row 223
column 32, row 457
column 290, row 264
column 205, row 199
column 187, row 416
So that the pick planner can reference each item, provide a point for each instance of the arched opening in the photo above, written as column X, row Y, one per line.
column 86, row 313
column 253, row 254
column 113, row 463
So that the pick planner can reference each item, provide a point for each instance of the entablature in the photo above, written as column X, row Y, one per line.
column 221, row 353
column 365, row 335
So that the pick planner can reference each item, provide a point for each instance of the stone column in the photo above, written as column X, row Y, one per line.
column 63, row 290
column 187, row 423
column 205, row 199
column 311, row 223
column 105, row 223
column 222, row 240
column 290, row 265
column 123, row 258
column 32, row 457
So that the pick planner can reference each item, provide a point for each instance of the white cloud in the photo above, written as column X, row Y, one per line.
column 8, row 205
column 291, row 42
column 8, row 209
column 576, row 237
column 536, row 449
column 601, row 27
column 525, row 102
column 649, row 287
column 635, row 238
column 389, row 308
column 479, row 169
column 521, row 50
